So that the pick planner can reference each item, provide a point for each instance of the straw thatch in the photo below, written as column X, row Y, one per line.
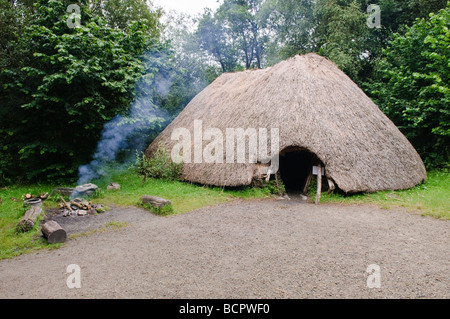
column 317, row 108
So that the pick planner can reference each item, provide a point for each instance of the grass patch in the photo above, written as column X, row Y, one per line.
column 431, row 198
column 13, row 243
column 184, row 197
column 161, row 211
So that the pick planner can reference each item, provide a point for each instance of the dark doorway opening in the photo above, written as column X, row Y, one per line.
column 295, row 168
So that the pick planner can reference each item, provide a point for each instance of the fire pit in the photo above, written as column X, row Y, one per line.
column 79, row 207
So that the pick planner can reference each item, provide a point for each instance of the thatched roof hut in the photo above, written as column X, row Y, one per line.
column 323, row 117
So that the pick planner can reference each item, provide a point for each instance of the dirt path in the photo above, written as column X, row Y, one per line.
column 246, row 249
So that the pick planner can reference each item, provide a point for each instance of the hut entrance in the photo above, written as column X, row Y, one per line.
column 295, row 168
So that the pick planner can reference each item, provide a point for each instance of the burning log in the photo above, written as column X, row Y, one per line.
column 67, row 205
column 78, row 207
column 54, row 232
column 81, row 204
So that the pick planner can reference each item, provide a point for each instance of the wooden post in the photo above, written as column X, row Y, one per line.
column 319, row 184
column 308, row 181
column 331, row 186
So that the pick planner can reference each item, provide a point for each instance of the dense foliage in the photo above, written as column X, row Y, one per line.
column 413, row 86
column 160, row 165
column 402, row 62
column 64, row 86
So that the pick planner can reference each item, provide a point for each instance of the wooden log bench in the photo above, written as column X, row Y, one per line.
column 29, row 219
column 156, row 202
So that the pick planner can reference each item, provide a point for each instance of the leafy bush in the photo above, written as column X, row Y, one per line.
column 413, row 88
column 159, row 165
column 273, row 186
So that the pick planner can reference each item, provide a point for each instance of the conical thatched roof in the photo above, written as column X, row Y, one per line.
column 316, row 107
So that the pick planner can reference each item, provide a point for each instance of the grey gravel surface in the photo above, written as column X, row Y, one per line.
column 244, row 249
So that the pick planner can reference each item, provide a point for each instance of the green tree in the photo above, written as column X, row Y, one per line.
column 121, row 13
column 13, row 56
column 74, row 81
column 244, row 26
column 192, row 69
column 338, row 29
column 396, row 13
column 413, row 86
column 292, row 23
column 235, row 35
column 214, row 40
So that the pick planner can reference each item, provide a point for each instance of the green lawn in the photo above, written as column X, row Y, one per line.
column 184, row 196
column 431, row 198
column 12, row 243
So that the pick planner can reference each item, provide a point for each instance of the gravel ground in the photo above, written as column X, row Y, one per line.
column 245, row 249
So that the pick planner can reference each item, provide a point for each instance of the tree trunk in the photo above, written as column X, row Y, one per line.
column 248, row 61
column 222, row 64
column 308, row 181
column 256, row 44
column 54, row 232
column 27, row 222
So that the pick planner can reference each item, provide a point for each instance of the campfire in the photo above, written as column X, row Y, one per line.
column 76, row 206
column 79, row 207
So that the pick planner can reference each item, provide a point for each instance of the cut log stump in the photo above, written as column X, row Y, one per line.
column 54, row 232
column 27, row 222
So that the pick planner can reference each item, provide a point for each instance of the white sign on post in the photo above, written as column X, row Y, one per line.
column 316, row 170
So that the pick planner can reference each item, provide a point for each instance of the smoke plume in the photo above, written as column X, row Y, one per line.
column 130, row 132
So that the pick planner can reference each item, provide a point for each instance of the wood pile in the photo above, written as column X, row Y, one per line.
column 79, row 207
